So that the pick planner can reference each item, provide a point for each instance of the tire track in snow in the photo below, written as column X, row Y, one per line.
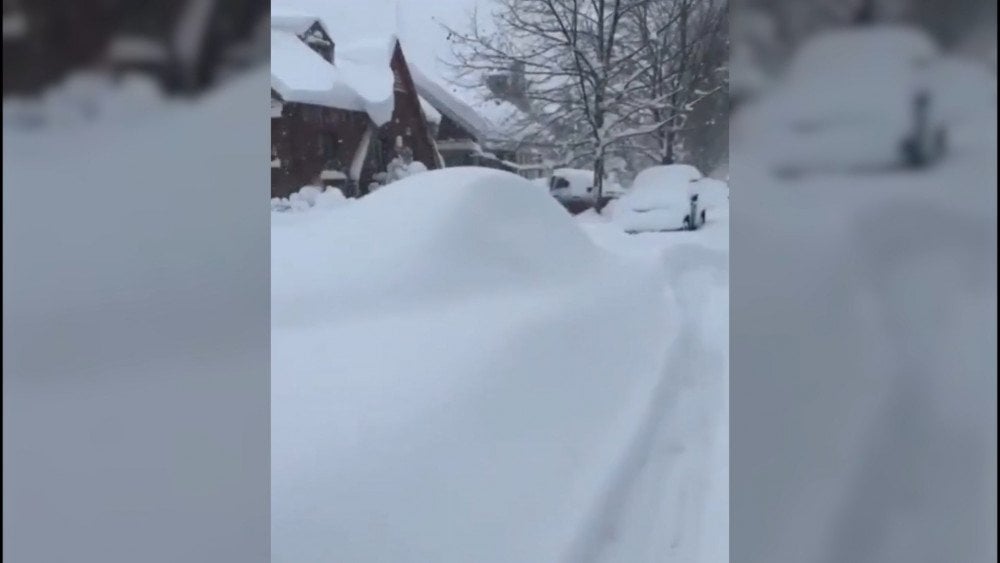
column 655, row 508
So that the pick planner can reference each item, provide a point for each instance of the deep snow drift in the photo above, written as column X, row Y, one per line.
column 458, row 374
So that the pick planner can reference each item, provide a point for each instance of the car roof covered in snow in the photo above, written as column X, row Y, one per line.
column 660, row 187
column 668, row 175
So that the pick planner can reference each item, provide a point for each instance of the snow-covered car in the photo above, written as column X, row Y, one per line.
column 574, row 188
column 663, row 198
column 855, row 100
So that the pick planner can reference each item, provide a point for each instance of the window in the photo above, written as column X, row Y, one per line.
column 558, row 183
column 377, row 154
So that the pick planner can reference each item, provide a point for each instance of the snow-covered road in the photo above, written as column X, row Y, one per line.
column 436, row 394
column 671, row 502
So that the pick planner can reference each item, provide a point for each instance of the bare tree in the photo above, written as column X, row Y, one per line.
column 603, row 78
column 581, row 75
column 684, row 55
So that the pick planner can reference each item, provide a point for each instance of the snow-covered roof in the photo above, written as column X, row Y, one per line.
column 366, row 31
column 293, row 21
column 430, row 112
column 506, row 121
column 450, row 105
column 361, row 78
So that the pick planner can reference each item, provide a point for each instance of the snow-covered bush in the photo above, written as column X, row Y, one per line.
column 309, row 197
column 397, row 169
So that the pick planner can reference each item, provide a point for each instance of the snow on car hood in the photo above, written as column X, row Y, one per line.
column 660, row 198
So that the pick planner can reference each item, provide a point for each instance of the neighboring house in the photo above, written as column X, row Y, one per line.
column 185, row 44
column 340, row 113
column 467, row 137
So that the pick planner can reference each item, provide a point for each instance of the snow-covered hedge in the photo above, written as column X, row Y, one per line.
column 307, row 198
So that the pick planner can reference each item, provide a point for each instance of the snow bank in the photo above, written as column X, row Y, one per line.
column 434, row 230
column 456, row 373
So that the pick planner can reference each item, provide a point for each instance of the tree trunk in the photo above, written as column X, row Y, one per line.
column 668, row 143
column 669, row 156
column 599, row 181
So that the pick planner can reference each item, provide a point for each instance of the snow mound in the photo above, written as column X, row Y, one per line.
column 438, row 233
column 458, row 374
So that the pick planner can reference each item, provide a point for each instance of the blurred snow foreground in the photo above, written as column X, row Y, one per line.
column 458, row 374
column 864, row 100
column 879, row 290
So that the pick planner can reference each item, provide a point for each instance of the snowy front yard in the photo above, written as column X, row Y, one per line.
column 459, row 373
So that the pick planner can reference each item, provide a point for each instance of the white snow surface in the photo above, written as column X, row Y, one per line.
column 294, row 21
column 673, row 507
column 430, row 112
column 818, row 120
column 458, row 374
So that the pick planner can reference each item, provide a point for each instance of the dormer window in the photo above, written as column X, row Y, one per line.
column 317, row 40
